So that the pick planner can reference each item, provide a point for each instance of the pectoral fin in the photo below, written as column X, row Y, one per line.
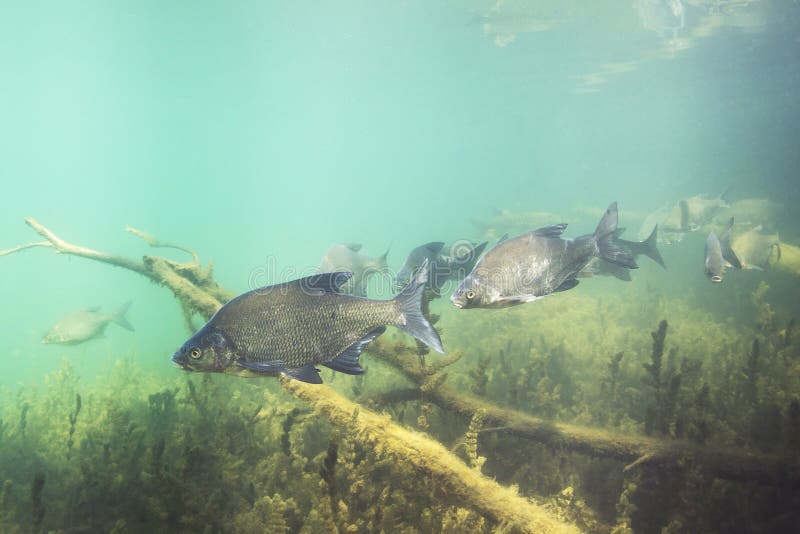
column 514, row 300
column 275, row 366
column 572, row 282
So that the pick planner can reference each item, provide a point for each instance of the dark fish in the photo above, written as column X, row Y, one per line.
column 291, row 327
column 83, row 325
column 720, row 255
column 346, row 257
column 456, row 263
column 423, row 253
column 648, row 247
column 538, row 263
column 601, row 267
column 447, row 263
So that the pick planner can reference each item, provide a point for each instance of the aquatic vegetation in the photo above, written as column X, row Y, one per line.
column 610, row 427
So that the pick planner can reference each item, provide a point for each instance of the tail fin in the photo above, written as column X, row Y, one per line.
column 725, row 244
column 410, row 300
column 607, row 246
column 380, row 263
column 119, row 317
column 650, row 248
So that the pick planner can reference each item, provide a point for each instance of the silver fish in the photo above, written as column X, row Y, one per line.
column 79, row 326
column 538, row 263
column 687, row 215
column 720, row 255
column 346, row 257
column 291, row 327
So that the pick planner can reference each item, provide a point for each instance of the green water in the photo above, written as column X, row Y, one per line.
column 260, row 133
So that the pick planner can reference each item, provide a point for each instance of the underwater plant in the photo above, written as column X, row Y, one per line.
column 554, row 431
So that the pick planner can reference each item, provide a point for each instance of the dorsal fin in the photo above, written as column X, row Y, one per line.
column 325, row 282
column 551, row 231
column 355, row 247
column 435, row 246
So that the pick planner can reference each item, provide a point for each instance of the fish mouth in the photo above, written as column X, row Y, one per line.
column 716, row 279
column 177, row 361
column 457, row 303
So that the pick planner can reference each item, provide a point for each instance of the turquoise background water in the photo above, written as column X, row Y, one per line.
column 256, row 130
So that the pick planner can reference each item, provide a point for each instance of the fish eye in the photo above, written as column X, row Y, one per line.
column 470, row 294
column 195, row 353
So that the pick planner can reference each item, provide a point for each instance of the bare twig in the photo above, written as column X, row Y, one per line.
column 25, row 246
column 151, row 240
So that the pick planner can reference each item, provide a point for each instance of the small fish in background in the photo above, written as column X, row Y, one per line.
column 757, row 249
column 752, row 212
column 422, row 254
column 79, row 326
column 455, row 262
column 446, row 263
column 506, row 221
column 687, row 215
column 345, row 257
column 536, row 264
column 699, row 210
column 720, row 255
column 292, row 327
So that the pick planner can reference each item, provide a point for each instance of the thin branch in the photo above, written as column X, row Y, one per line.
column 25, row 246
column 154, row 242
column 63, row 247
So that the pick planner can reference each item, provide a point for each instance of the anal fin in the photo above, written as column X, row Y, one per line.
column 307, row 373
column 347, row 361
column 568, row 284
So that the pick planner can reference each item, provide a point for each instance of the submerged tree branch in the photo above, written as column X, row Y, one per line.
column 154, row 242
column 430, row 458
column 634, row 451
column 195, row 289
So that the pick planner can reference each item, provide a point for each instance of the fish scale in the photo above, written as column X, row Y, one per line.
column 309, row 338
